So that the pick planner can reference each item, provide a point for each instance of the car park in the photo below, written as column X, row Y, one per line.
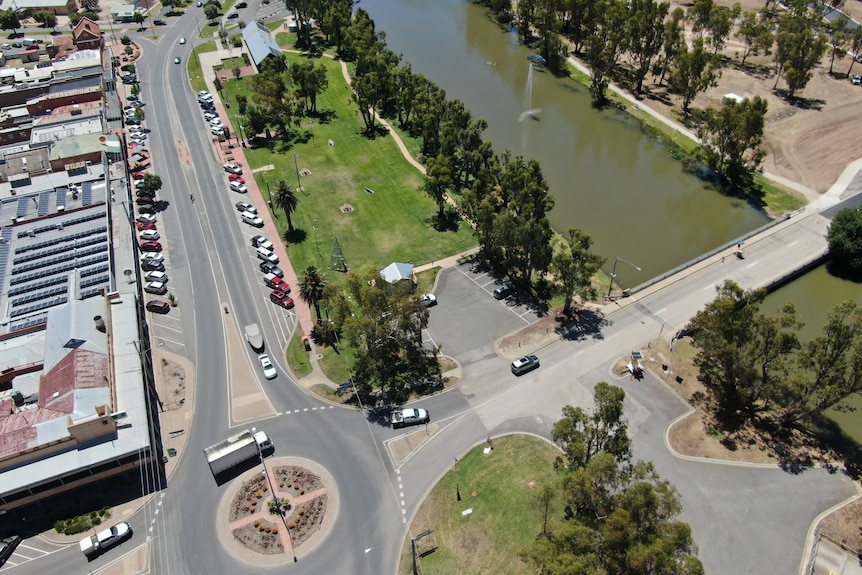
column 158, row 306
column 261, row 242
column 146, row 218
column 149, row 235
column 525, row 364
column 156, row 276
column 177, row 60
column 160, row 22
column 266, row 255
column 232, row 169
column 271, row 268
column 427, row 299
column 504, row 291
column 245, row 207
column 158, row 288
column 269, row 371
column 239, row 188
column 282, row 299
column 151, row 246
column 251, row 219
column 152, row 265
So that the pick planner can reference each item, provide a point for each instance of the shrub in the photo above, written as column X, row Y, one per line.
column 125, row 40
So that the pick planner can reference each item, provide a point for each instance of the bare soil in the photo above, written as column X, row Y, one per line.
column 810, row 139
column 262, row 538
column 844, row 527
column 172, row 386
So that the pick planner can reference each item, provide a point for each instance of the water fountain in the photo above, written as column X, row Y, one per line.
column 530, row 112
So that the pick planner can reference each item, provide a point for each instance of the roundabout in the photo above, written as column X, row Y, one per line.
column 272, row 517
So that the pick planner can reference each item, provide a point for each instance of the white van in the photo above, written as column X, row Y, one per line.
column 251, row 219
column 266, row 255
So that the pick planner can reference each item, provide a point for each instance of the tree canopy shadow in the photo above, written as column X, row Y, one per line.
column 580, row 325
column 800, row 102
column 297, row 236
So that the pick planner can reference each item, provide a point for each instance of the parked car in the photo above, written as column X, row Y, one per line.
column 152, row 266
column 202, row 93
column 147, row 209
column 427, row 299
column 146, row 226
column 232, row 16
column 271, row 268
column 237, row 187
column 210, row 116
column 7, row 547
column 158, row 306
column 282, row 299
column 157, row 288
column 132, row 120
column 856, row 79
column 149, row 235
column 272, row 281
column 235, row 178
column 160, row 22
column 245, row 207
column 267, row 367
column 251, row 219
column 232, row 169
column 259, row 241
column 151, row 246
column 266, row 255
column 132, row 97
column 241, row 5
column 504, row 291
column 105, row 539
column 525, row 364
column 146, row 218
column 156, row 276
column 153, row 256
column 143, row 200
column 217, row 131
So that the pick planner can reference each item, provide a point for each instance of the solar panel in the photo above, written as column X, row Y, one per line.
column 86, row 194
column 44, row 201
column 94, row 281
column 93, row 271
column 90, row 293
column 30, row 323
column 61, row 198
column 38, row 285
column 44, row 294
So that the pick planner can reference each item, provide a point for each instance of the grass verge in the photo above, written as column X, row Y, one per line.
column 297, row 357
column 501, row 488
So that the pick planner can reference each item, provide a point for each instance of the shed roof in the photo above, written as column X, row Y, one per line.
column 260, row 42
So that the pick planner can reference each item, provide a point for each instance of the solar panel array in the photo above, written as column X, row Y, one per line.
column 65, row 223
column 59, row 269
column 85, row 283
column 5, row 238
column 86, row 194
column 64, row 239
column 94, row 270
column 61, row 197
column 65, row 257
column 22, row 207
column 47, row 282
column 86, row 242
column 39, row 306
column 46, row 293
column 44, row 202
column 91, row 293
column 30, row 322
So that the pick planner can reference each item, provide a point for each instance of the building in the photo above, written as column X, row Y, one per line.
column 87, row 35
column 124, row 13
column 260, row 43
column 57, row 7
column 398, row 278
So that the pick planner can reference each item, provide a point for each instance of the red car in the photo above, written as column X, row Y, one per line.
column 141, row 200
column 281, row 298
column 146, row 226
column 236, row 178
column 151, row 247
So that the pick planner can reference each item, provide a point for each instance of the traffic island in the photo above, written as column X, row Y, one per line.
column 273, row 517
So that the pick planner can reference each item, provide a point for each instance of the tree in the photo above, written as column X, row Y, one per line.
column 311, row 80
column 583, row 21
column 845, row 243
column 46, row 19
column 674, row 39
column 583, row 435
column 855, row 46
column 699, row 15
column 695, row 71
column 211, row 11
column 138, row 18
column 574, row 266
column 720, row 25
column 604, row 49
column 732, row 137
column 839, row 39
column 303, row 11
column 169, row 4
column 438, row 182
column 9, row 19
column 336, row 21
column 285, row 198
column 743, row 355
column 311, row 287
column 140, row 115
column 152, row 182
column 755, row 31
column 799, row 50
column 645, row 31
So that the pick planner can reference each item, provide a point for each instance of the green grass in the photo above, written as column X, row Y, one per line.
column 230, row 63
column 392, row 224
column 336, row 366
column 425, row 280
column 285, row 39
column 506, row 517
column 297, row 357
column 275, row 24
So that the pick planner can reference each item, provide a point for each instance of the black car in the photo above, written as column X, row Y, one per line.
column 271, row 268
column 158, row 306
column 160, row 22
column 7, row 547
column 242, row 5
column 232, row 16
column 504, row 291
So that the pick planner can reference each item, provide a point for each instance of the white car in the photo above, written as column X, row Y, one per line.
column 182, row 40
column 217, row 131
column 210, row 116
column 203, row 93
column 139, row 135
column 237, row 187
column 105, row 539
column 427, row 299
column 146, row 218
column 156, row 276
column 158, row 288
column 269, row 371
column 232, row 169
column 149, row 235
column 138, row 141
column 216, row 122
column 245, row 207
column 153, row 256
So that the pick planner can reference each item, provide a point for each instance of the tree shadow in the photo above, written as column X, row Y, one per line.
column 324, row 116
column 375, row 131
column 800, row 102
column 450, row 222
column 581, row 324
column 297, row 236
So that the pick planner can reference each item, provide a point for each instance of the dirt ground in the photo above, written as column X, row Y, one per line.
column 172, row 385
column 810, row 142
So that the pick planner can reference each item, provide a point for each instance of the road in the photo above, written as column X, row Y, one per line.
column 744, row 508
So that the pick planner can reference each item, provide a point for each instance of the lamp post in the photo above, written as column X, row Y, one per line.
column 263, row 177
column 614, row 272
column 296, row 165
column 274, row 497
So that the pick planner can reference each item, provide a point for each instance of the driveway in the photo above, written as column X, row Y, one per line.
column 467, row 319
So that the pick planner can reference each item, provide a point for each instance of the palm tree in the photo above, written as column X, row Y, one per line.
column 285, row 198
column 311, row 289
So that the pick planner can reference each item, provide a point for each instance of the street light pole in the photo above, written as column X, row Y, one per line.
column 275, row 498
column 614, row 273
column 263, row 177
column 296, row 165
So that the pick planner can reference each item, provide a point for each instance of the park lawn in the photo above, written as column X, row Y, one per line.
column 394, row 223
column 501, row 489
column 297, row 358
